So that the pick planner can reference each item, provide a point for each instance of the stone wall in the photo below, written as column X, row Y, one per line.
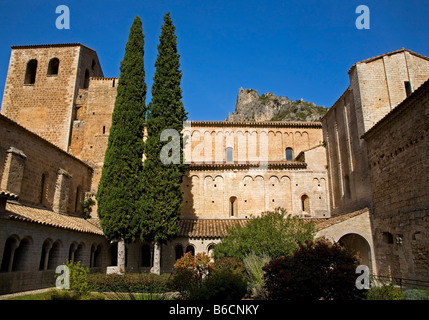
column 44, row 105
column 398, row 159
column 29, row 270
column 42, row 174
column 377, row 85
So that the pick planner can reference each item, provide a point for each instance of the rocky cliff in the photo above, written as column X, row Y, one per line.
column 251, row 106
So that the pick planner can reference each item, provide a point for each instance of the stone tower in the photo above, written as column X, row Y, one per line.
column 42, row 86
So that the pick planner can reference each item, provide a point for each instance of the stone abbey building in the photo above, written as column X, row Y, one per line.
column 361, row 174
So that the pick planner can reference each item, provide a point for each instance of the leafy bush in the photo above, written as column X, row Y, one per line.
column 317, row 270
column 254, row 265
column 136, row 282
column 78, row 278
column 229, row 264
column 385, row 292
column 220, row 285
column 199, row 279
column 274, row 233
column 415, row 294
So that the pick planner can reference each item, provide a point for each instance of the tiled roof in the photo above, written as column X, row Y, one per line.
column 8, row 195
column 76, row 44
column 189, row 228
column 206, row 228
column 216, row 228
column 49, row 218
column 323, row 223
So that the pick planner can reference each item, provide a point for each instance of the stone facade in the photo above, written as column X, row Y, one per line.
column 377, row 85
column 55, row 128
column 35, row 87
column 398, row 158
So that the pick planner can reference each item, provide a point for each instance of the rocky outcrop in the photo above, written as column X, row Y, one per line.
column 251, row 106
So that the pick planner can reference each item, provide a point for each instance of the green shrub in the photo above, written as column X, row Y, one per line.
column 135, row 282
column 78, row 277
column 274, row 233
column 385, row 292
column 230, row 264
column 220, row 285
column 254, row 265
column 415, row 294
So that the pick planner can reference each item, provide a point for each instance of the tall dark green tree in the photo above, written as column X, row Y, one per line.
column 163, row 196
column 118, row 190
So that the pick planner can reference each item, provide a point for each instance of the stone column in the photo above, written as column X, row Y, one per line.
column 13, row 171
column 121, row 256
column 62, row 191
column 156, row 269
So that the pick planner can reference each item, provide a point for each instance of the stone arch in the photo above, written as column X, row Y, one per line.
column 44, row 256
column 20, row 258
column 305, row 203
column 95, row 258
column 12, row 242
column 358, row 244
column 190, row 248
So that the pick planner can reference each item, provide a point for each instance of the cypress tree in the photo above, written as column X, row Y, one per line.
column 118, row 191
column 163, row 196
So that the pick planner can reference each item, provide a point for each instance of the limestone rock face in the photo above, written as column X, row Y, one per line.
column 251, row 106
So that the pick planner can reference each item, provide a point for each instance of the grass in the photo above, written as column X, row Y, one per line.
column 55, row 294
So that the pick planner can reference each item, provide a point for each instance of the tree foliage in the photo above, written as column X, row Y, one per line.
column 274, row 233
column 118, row 190
column 318, row 270
column 163, row 196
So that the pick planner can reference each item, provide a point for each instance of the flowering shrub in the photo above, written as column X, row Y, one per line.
column 189, row 261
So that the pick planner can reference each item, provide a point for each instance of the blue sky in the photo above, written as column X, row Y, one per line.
column 298, row 49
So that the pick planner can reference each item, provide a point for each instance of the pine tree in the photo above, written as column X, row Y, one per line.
column 163, row 196
column 118, row 191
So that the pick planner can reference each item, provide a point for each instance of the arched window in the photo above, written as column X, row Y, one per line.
column 95, row 256
column 305, row 203
column 233, row 207
column 289, row 154
column 86, row 80
column 21, row 255
column 30, row 72
column 54, row 255
column 229, row 154
column 191, row 249
column 146, row 256
column 179, row 251
column 53, row 67
column 46, row 247
column 8, row 253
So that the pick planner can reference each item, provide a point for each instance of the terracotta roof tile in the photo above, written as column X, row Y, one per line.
column 8, row 195
column 207, row 228
column 49, row 218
